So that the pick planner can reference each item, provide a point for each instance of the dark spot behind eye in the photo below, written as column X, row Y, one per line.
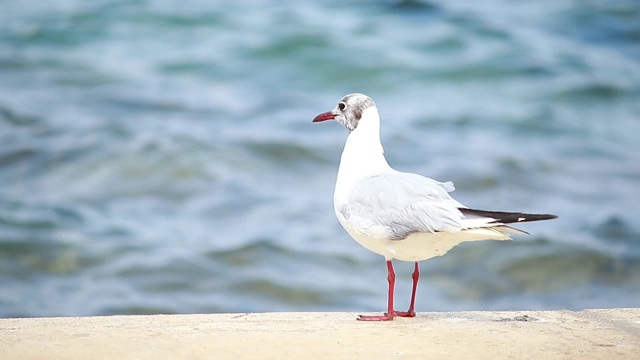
column 341, row 106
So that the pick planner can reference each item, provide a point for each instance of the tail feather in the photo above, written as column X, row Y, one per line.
column 502, row 217
column 510, row 229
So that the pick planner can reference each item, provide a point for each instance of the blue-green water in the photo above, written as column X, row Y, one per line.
column 159, row 157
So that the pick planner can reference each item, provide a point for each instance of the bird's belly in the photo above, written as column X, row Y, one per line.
column 423, row 246
column 416, row 247
column 419, row 246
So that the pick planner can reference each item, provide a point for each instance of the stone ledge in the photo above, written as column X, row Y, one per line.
column 587, row 334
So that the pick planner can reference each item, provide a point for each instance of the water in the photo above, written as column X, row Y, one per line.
column 159, row 157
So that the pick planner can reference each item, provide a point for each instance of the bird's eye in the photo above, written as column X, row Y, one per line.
column 341, row 106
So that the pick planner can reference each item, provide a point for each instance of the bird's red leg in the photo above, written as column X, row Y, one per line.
column 390, row 314
column 411, row 312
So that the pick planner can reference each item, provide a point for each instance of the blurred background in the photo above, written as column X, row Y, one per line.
column 159, row 156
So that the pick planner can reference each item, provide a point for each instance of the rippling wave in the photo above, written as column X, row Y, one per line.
column 159, row 158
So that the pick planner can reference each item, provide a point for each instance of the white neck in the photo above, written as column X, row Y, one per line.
column 362, row 155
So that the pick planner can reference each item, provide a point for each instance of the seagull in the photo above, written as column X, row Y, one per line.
column 398, row 215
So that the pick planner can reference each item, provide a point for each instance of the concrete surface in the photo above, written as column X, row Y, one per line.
column 588, row 334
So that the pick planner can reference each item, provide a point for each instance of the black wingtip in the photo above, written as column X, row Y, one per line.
column 507, row 217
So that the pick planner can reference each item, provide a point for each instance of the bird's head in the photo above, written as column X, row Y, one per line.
column 349, row 110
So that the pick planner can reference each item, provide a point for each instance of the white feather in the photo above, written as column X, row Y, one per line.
column 398, row 215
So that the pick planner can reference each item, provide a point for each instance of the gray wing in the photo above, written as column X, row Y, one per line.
column 394, row 205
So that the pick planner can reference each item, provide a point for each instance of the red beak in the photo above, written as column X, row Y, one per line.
column 324, row 117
